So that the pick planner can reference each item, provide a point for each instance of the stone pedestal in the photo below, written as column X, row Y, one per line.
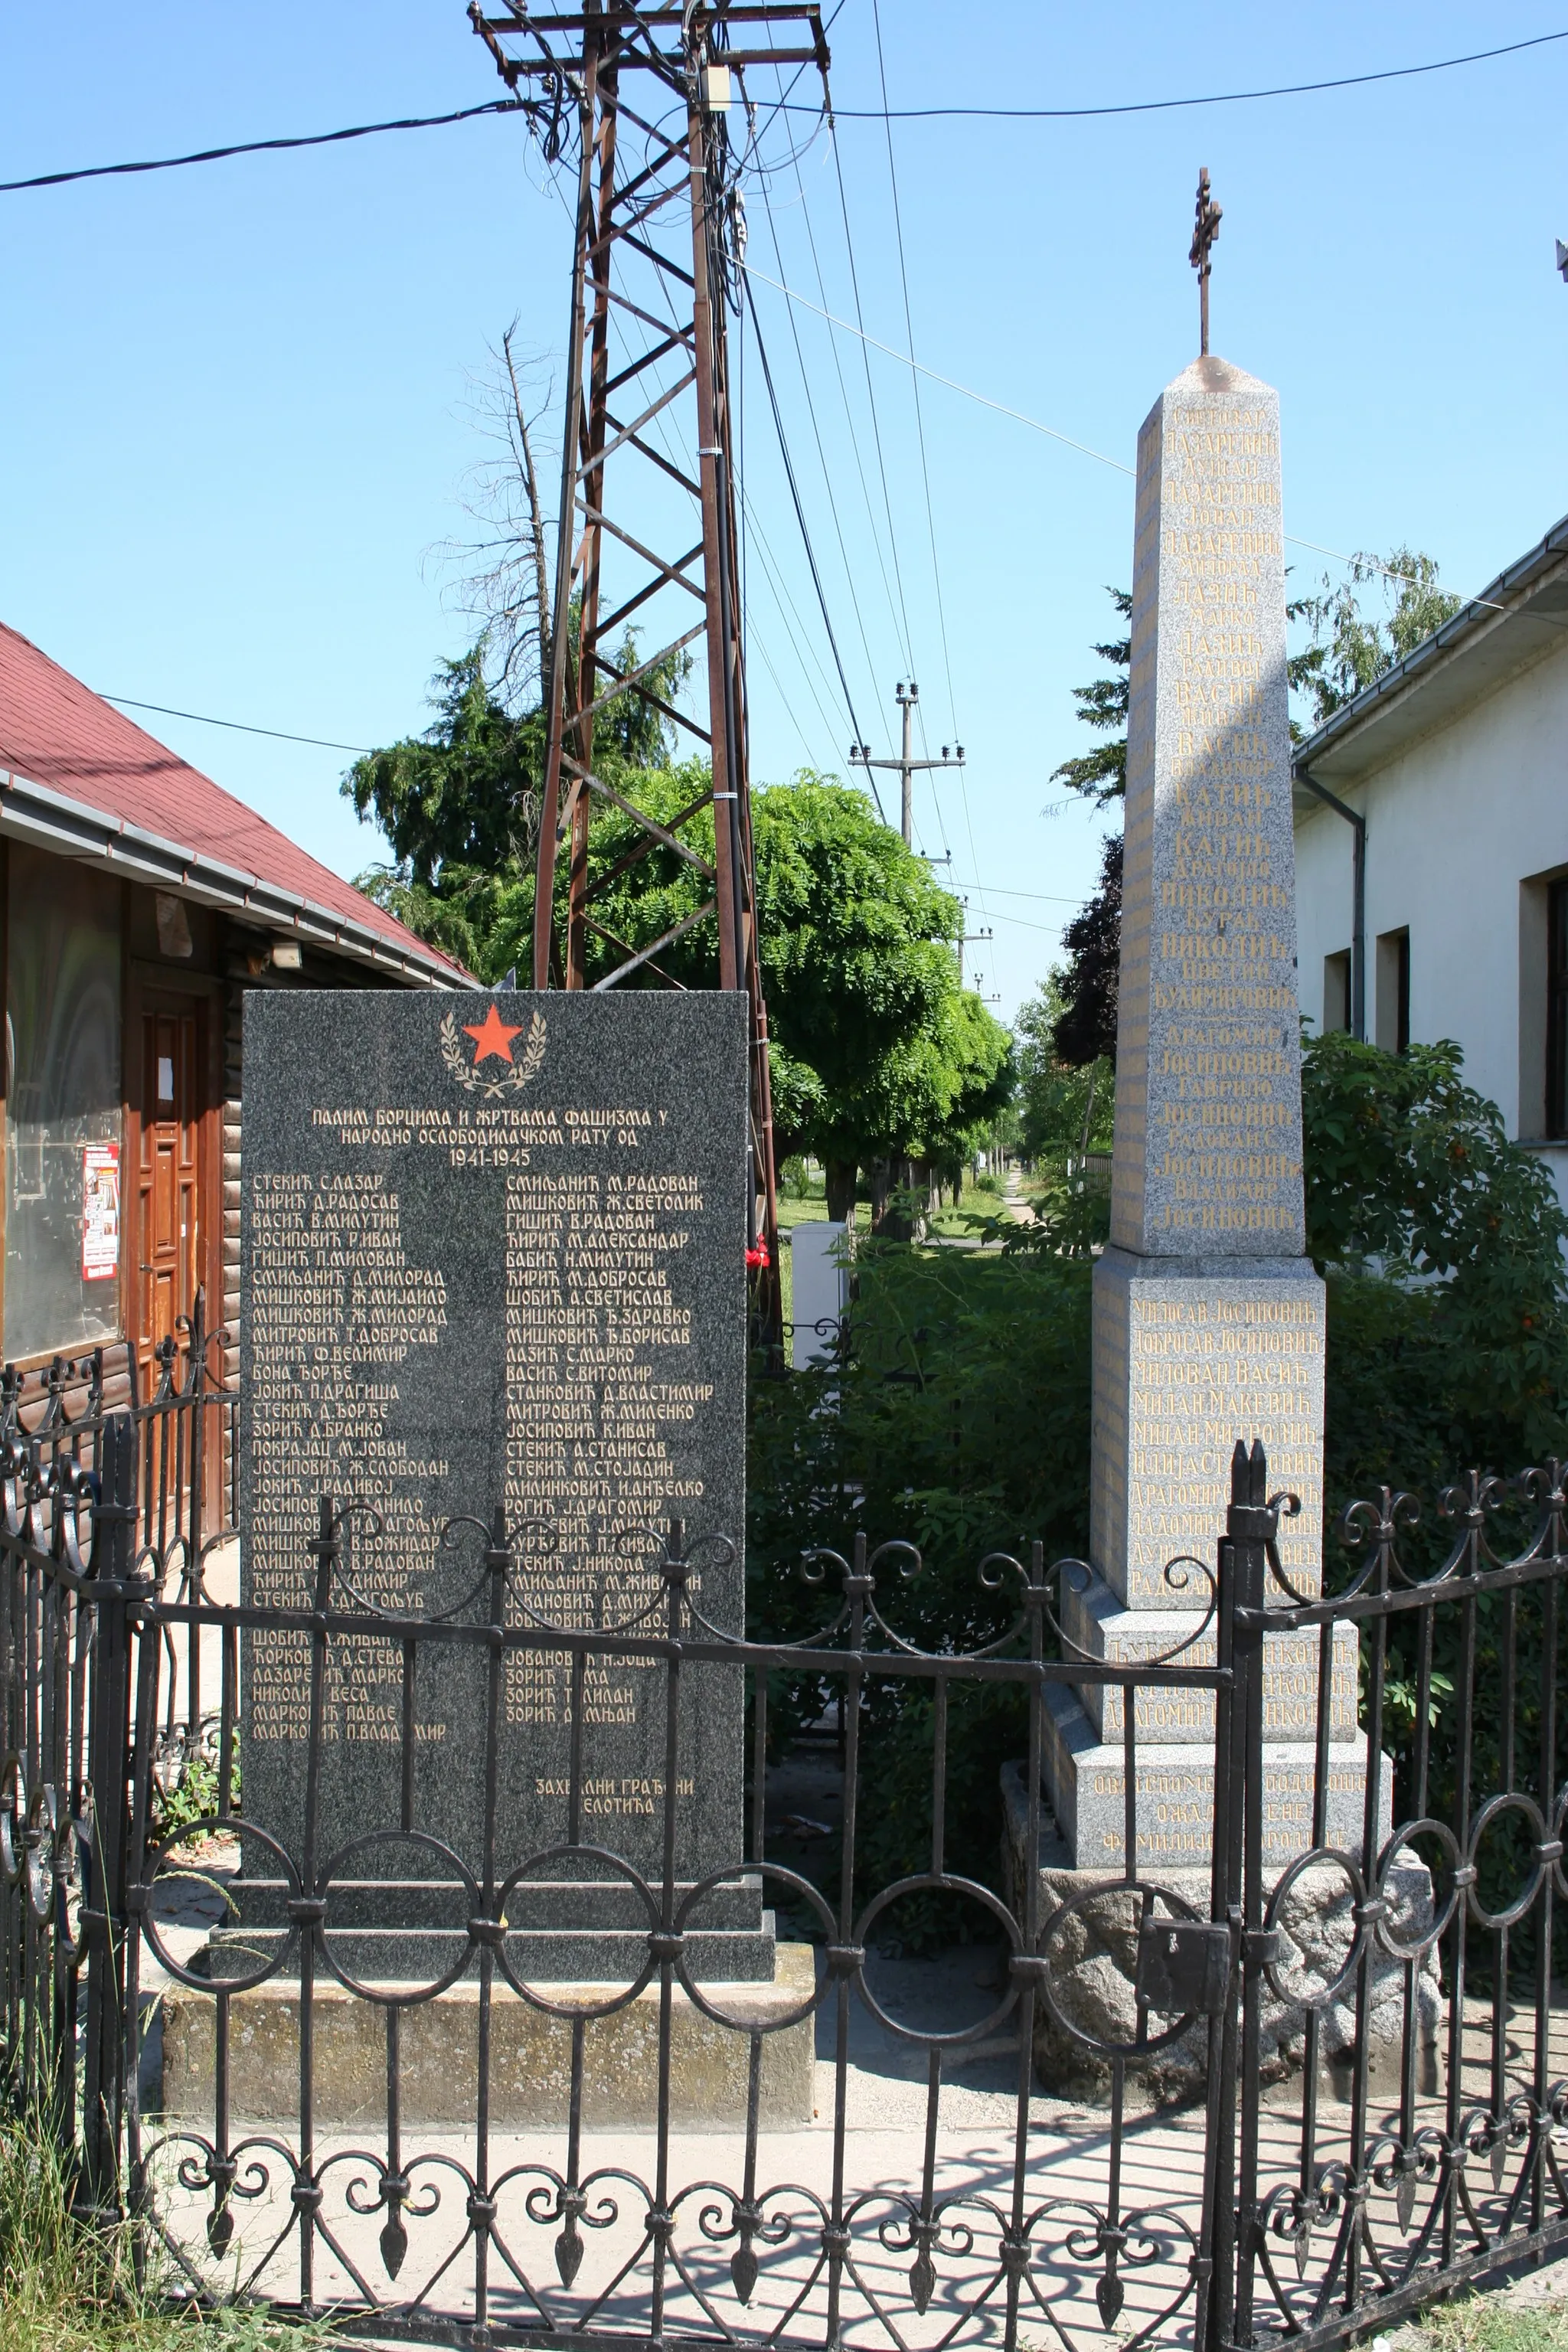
column 560, row 1932
column 1191, row 1353
column 531, row 2057
column 1175, row 1796
column 1097, row 1622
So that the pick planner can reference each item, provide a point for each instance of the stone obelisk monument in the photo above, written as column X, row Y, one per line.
column 1209, row 1316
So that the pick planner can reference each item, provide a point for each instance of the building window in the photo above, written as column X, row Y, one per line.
column 1337, row 991
column 1394, row 992
column 62, row 1101
column 1557, row 1008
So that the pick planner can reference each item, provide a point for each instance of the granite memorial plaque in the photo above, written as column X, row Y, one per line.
column 1208, row 1319
column 493, row 1254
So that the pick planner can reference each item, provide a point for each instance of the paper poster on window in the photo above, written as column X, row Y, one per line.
column 100, row 1211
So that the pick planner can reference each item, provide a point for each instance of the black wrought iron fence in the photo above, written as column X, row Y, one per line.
column 54, row 1424
column 56, row 1414
column 1337, row 2087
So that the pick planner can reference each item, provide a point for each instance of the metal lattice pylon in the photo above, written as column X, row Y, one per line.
column 643, row 96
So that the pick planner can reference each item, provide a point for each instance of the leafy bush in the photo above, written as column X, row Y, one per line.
column 796, row 1182
column 962, row 1426
column 1451, row 1357
column 1410, row 1172
column 191, row 1794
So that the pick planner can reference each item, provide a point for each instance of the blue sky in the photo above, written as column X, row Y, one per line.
column 235, row 400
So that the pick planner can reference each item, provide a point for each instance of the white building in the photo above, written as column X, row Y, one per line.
column 1451, row 779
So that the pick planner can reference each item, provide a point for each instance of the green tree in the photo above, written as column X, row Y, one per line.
column 876, row 1052
column 1064, row 1107
column 1350, row 650
column 459, row 808
column 1101, row 775
column 861, row 973
column 459, row 805
column 1085, row 1032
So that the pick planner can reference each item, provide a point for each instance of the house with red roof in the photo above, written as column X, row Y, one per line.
column 139, row 901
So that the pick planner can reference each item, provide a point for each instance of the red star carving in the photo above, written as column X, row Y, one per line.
column 492, row 1036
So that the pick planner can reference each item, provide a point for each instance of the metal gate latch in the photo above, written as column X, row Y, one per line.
column 1183, row 1967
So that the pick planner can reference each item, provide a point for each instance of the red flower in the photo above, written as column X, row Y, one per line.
column 758, row 1256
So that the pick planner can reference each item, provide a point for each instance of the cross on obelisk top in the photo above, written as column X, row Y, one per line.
column 1206, row 233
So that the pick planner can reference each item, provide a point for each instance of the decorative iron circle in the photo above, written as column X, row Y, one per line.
column 13, row 1809
column 238, row 1828
column 1395, row 1946
column 1508, row 1801
column 738, row 1873
column 40, row 1841
column 945, row 1883
column 331, row 1872
column 601, row 1856
column 1289, row 1878
column 1149, row 1891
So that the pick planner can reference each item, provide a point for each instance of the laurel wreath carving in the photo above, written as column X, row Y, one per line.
column 512, row 1082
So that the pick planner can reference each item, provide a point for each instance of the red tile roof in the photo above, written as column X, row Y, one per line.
column 56, row 732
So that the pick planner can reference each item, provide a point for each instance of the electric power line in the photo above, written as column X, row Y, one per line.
column 1048, row 897
column 789, row 708
column 871, row 398
column 1034, row 424
column 856, row 605
column 925, row 475
column 854, row 438
column 779, row 104
column 796, row 631
column 202, row 718
column 800, row 517
column 892, row 352
column 773, row 571
column 1022, row 922
column 783, row 106
column 1166, row 105
column 914, row 379
column 266, row 146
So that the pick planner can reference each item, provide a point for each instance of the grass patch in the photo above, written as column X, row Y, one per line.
column 801, row 1213
column 1488, row 2323
column 67, row 2288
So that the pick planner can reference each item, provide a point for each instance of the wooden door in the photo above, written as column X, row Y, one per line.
column 174, row 1219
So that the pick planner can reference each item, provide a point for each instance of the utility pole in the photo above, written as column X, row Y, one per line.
column 969, row 938
column 634, row 99
column 861, row 753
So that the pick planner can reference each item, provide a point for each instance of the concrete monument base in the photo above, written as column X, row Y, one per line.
column 1085, row 1780
column 1097, row 1623
column 530, row 2056
column 1189, row 1353
column 1094, row 1961
column 559, row 1933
